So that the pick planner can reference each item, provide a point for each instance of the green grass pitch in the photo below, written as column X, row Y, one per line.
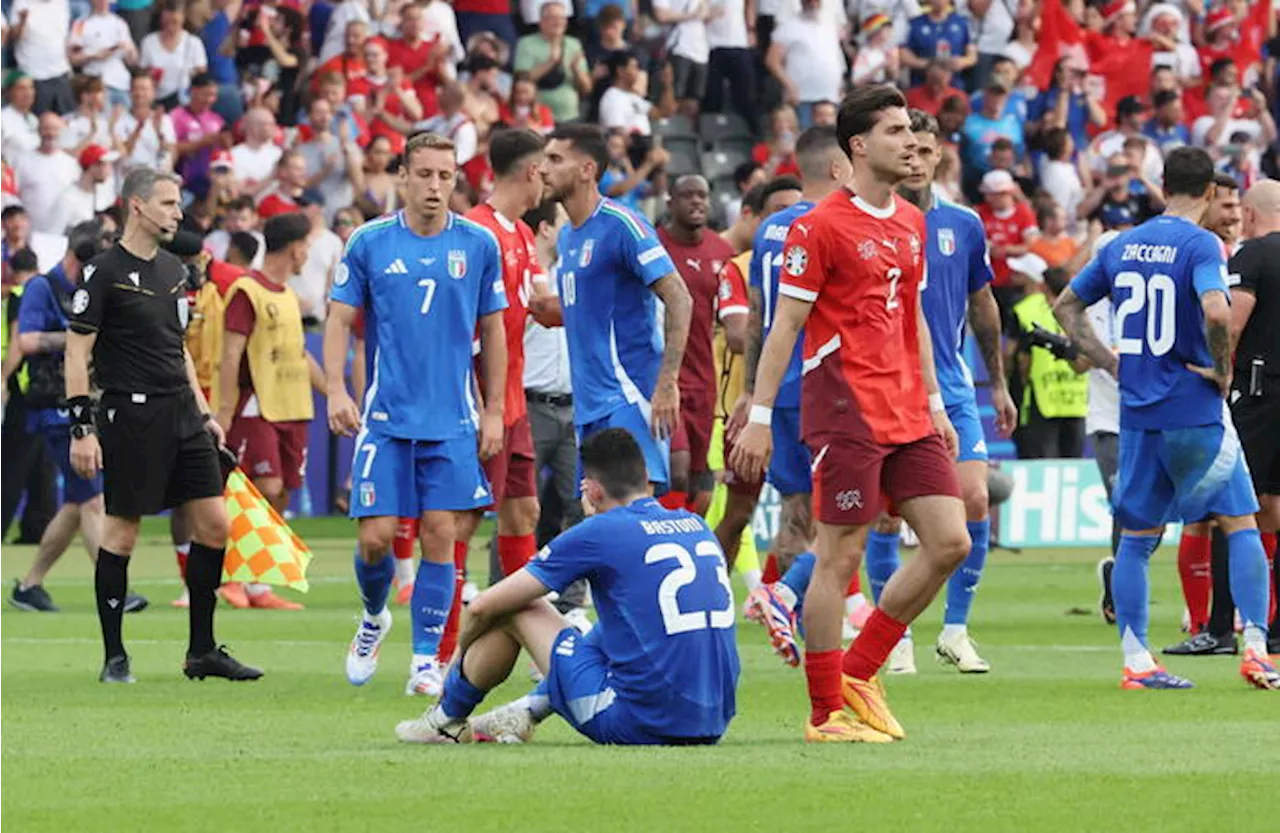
column 1046, row 742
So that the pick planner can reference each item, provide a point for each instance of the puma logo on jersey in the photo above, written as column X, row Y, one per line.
column 891, row 245
column 397, row 267
column 694, row 263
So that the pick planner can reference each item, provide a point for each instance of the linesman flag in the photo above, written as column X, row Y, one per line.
column 261, row 546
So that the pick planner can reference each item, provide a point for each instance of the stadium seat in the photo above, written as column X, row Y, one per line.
column 676, row 125
column 739, row 145
column 712, row 127
column 684, row 155
column 720, row 165
column 720, row 200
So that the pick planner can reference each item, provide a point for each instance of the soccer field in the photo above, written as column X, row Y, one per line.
column 1046, row 742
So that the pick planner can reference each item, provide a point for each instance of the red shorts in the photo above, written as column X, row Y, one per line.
column 512, row 472
column 270, row 449
column 852, row 477
column 693, row 433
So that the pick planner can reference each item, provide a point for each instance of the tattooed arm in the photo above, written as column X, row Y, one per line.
column 755, row 342
column 1069, row 310
column 1217, row 324
column 984, row 318
column 679, row 311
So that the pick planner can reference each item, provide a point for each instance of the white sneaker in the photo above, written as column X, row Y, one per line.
column 425, row 678
column 432, row 727
column 511, row 723
column 577, row 618
column 902, row 659
column 960, row 651
column 362, row 658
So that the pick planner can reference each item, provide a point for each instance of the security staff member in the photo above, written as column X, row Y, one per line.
column 154, row 440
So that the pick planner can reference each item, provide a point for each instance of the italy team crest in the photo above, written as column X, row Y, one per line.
column 947, row 241
column 584, row 259
column 457, row 264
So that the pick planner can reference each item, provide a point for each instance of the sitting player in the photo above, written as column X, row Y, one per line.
column 662, row 666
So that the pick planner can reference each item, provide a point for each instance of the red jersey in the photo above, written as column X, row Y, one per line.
column 700, row 267
column 276, row 202
column 862, row 268
column 762, row 153
column 922, row 98
column 732, row 299
column 1012, row 229
column 520, row 268
column 411, row 59
column 367, row 88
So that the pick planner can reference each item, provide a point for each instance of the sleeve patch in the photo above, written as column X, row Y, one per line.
column 796, row 261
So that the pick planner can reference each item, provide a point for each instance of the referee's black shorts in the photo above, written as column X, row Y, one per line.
column 156, row 453
column 1257, row 421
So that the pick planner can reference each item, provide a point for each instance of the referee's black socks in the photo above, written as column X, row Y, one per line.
column 204, row 574
column 110, row 583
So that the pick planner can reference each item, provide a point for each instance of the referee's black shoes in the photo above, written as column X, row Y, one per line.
column 1203, row 644
column 116, row 670
column 218, row 663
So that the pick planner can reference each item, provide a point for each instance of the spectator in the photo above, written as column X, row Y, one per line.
column 19, row 124
column 79, row 202
column 939, row 33
column 983, row 127
column 825, row 114
column 476, row 16
column 417, row 57
column 1167, row 129
column 995, row 21
column 806, row 58
column 39, row 38
column 337, row 33
column 254, row 160
column 483, row 93
column 453, row 122
column 777, row 154
column 175, row 54
column 1067, row 104
column 385, row 96
column 732, row 64
column 334, row 90
column 274, row 56
column 240, row 216
column 139, row 15
column 1004, row 157
column 611, row 32
column 346, row 221
column 1054, row 245
column 379, row 195
column 223, row 191
column 334, row 163
column 1115, row 203
column 324, row 250
column 43, row 174
column 1006, row 71
column 144, row 133
column 1060, row 174
column 1166, row 20
column 1215, row 129
column 951, row 118
column 88, row 124
column 935, row 89
column 1024, row 45
column 198, row 129
column 622, row 107
column 1130, row 116
column 623, row 182
column 876, row 61
column 213, row 20
column 555, row 62
column 745, row 177
column 524, row 110
column 349, row 63
column 100, row 45
column 531, row 10
column 440, row 23
column 285, row 194
column 1011, row 228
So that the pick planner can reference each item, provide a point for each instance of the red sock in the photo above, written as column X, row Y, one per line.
column 514, row 551
column 1269, row 545
column 770, row 574
column 869, row 651
column 855, row 585
column 449, row 639
column 182, row 563
column 674, row 499
column 822, row 669
column 406, row 540
column 1194, row 556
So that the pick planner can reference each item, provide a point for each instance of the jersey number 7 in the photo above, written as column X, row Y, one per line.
column 674, row 619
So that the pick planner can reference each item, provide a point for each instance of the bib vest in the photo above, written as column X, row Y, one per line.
column 277, row 352
column 1058, row 390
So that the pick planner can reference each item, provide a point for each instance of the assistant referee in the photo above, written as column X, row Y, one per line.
column 153, row 437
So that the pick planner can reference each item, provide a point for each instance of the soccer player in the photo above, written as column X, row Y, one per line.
column 873, row 416
column 699, row 254
column 611, row 270
column 959, row 274
column 1180, row 456
column 824, row 167
column 266, row 376
column 662, row 666
column 425, row 278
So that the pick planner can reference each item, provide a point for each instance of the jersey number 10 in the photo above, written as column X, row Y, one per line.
column 1157, row 295
column 674, row 619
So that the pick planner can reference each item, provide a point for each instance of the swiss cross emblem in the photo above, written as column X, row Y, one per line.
column 796, row 261
column 867, row 249
column 947, row 241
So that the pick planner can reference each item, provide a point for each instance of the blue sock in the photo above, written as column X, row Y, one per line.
column 375, row 582
column 964, row 582
column 1249, row 577
column 429, row 607
column 460, row 697
column 881, row 560
column 1129, row 589
column 798, row 575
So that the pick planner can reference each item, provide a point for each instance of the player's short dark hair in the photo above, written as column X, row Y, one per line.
column 779, row 183
column 813, row 150
column 587, row 139
column 24, row 260
column 613, row 459
column 11, row 211
column 922, row 122
column 861, row 109
column 1224, row 180
column 544, row 212
column 509, row 147
column 1056, row 278
column 283, row 230
column 753, row 200
column 245, row 245
column 1188, row 172
column 1164, row 97
column 1055, row 142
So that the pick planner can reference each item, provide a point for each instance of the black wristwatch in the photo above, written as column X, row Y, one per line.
column 79, row 431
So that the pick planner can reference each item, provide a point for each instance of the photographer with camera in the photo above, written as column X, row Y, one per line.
column 1054, row 388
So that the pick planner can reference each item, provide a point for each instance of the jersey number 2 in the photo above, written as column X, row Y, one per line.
column 674, row 619
column 1157, row 294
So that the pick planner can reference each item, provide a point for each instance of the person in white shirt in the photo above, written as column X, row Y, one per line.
column 807, row 59
column 453, row 122
column 79, row 203
column 335, row 34
column 877, row 58
column 18, row 124
column 440, row 21
column 254, row 160
column 1217, row 128
column 45, row 173
column 334, row 162
column 731, row 36
column 175, row 52
column 1058, row 173
column 324, row 250
column 900, row 12
column 89, row 124
column 688, row 48
column 621, row 107
column 1166, row 20
column 100, row 45
column 39, row 39
column 144, row 133
column 993, row 28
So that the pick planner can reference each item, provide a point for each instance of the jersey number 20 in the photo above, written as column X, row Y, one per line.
column 674, row 619
column 1156, row 294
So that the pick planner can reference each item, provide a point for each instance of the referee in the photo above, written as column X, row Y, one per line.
column 154, row 440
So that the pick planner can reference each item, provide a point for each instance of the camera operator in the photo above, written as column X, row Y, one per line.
column 1054, row 388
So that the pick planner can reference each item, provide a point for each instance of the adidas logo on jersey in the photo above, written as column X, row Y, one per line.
column 480, row 492
column 397, row 267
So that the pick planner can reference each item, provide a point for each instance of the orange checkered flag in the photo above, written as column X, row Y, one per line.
column 261, row 546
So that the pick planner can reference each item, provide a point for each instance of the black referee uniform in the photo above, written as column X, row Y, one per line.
column 156, row 452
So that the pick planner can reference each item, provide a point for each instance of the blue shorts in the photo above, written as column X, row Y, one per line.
column 635, row 419
column 75, row 489
column 1186, row 474
column 392, row 477
column 964, row 418
column 577, row 684
column 789, row 470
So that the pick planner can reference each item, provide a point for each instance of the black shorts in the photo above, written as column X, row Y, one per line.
column 688, row 78
column 1257, row 421
column 156, row 454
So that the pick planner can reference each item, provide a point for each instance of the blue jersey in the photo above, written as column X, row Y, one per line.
column 604, row 272
column 666, row 610
column 421, row 297
column 1155, row 275
column 766, row 263
column 959, row 265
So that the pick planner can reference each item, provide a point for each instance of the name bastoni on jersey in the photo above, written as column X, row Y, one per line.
column 672, row 527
